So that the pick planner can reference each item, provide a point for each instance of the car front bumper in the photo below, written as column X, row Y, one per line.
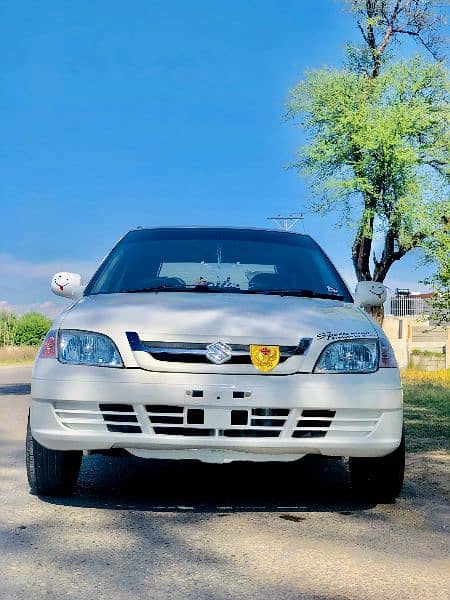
column 215, row 418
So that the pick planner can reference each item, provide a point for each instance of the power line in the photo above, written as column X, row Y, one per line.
column 287, row 222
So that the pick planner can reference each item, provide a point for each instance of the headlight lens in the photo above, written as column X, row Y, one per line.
column 351, row 356
column 87, row 348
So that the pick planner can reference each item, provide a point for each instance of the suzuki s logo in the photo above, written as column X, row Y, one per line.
column 218, row 353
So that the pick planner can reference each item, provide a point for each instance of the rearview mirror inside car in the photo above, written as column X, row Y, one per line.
column 68, row 285
column 370, row 293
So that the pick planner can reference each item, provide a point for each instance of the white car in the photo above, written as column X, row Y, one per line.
column 217, row 344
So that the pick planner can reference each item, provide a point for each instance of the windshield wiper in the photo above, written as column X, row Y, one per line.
column 234, row 290
column 328, row 296
column 296, row 293
column 157, row 288
column 196, row 288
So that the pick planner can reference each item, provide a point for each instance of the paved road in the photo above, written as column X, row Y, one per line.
column 178, row 531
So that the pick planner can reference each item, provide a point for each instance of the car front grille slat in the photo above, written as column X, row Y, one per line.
column 270, row 412
column 120, row 418
column 313, row 414
column 308, row 434
column 266, row 422
column 260, row 432
column 188, row 420
column 313, row 423
column 321, row 423
column 161, row 419
column 186, row 431
column 165, row 409
column 124, row 428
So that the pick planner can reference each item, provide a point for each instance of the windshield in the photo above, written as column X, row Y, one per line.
column 218, row 260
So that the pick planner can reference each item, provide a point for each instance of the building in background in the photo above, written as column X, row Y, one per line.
column 404, row 303
column 415, row 339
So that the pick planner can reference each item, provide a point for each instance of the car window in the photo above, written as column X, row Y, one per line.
column 219, row 259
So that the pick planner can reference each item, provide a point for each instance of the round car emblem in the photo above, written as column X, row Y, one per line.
column 218, row 352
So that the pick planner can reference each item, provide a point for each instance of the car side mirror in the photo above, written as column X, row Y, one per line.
column 370, row 293
column 68, row 285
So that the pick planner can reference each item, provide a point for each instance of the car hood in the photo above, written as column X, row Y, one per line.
column 208, row 317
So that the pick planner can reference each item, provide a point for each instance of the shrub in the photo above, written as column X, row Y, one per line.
column 417, row 352
column 31, row 329
column 8, row 323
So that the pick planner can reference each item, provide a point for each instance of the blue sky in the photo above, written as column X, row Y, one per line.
column 151, row 112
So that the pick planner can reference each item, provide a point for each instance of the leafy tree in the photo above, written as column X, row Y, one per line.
column 31, row 329
column 438, row 251
column 8, row 322
column 377, row 135
column 378, row 145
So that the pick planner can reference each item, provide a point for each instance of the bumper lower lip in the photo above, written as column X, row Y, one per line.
column 378, row 445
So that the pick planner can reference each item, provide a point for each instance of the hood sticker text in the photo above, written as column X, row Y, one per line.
column 331, row 335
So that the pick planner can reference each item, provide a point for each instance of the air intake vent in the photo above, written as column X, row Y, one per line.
column 313, row 423
column 259, row 422
column 161, row 414
column 250, row 433
column 186, row 431
column 167, row 419
column 120, row 418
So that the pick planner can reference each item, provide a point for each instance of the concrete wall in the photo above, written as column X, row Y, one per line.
column 407, row 334
column 396, row 330
column 427, row 363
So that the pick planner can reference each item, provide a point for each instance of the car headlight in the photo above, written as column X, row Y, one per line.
column 387, row 356
column 87, row 348
column 349, row 356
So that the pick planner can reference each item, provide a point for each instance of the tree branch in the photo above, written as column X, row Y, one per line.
column 387, row 36
column 363, row 33
column 407, row 17
column 390, row 255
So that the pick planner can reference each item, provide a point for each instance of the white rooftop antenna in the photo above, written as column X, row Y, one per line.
column 288, row 222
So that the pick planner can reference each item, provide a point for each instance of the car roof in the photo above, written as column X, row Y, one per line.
column 231, row 227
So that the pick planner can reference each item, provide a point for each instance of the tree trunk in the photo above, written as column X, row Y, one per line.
column 361, row 252
column 376, row 312
column 362, row 245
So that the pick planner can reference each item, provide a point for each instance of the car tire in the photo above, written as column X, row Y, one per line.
column 51, row 472
column 378, row 480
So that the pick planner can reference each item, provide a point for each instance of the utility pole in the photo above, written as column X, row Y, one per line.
column 288, row 222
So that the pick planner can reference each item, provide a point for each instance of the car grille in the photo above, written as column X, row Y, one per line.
column 89, row 416
column 244, row 422
column 237, row 421
column 201, row 359
column 120, row 418
column 313, row 423
column 191, row 352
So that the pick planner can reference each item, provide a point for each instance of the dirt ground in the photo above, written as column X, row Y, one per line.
column 430, row 473
column 182, row 530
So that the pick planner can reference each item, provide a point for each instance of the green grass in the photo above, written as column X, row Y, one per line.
column 427, row 410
